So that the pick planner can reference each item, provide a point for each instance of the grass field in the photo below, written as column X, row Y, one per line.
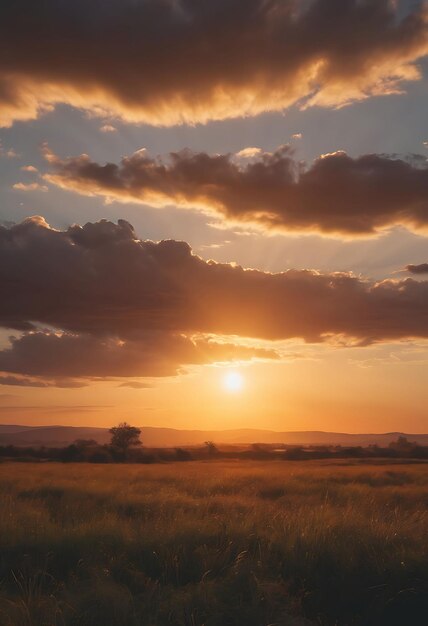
column 214, row 543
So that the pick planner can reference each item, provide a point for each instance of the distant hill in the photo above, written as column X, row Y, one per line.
column 52, row 436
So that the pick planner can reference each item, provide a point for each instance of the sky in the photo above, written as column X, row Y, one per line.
column 199, row 192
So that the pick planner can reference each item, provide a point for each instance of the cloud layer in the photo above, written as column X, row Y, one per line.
column 337, row 194
column 101, row 280
column 93, row 287
column 422, row 268
column 95, row 302
column 192, row 61
column 59, row 357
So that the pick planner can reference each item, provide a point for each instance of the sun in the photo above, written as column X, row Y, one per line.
column 233, row 381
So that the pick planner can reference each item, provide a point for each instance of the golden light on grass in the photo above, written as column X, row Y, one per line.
column 233, row 381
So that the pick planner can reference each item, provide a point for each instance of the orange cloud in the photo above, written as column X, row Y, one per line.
column 108, row 128
column 30, row 187
column 175, row 62
column 337, row 194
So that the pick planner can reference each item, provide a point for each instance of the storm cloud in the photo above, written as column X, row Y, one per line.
column 186, row 61
column 336, row 194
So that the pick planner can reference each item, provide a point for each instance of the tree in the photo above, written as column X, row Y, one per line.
column 211, row 448
column 69, row 454
column 123, row 437
column 404, row 447
column 182, row 455
column 85, row 443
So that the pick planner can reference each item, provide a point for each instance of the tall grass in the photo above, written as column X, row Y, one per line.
column 214, row 544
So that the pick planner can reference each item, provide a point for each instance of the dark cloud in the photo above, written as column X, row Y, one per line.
column 19, row 381
column 336, row 194
column 102, row 286
column 26, row 381
column 173, row 61
column 58, row 357
column 422, row 268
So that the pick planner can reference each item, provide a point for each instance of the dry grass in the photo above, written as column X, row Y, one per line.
column 214, row 544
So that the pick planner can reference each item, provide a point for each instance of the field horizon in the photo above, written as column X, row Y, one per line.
column 61, row 435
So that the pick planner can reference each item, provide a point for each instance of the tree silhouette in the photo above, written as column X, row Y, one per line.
column 85, row 443
column 123, row 437
column 211, row 448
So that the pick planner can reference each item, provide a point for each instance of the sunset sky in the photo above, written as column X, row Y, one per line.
column 214, row 214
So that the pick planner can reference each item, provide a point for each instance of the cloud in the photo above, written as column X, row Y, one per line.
column 193, row 61
column 108, row 128
column 29, row 168
column 101, row 286
column 9, row 153
column 249, row 153
column 58, row 357
column 336, row 194
column 417, row 269
column 30, row 187
column 135, row 384
column 26, row 381
column 19, row 381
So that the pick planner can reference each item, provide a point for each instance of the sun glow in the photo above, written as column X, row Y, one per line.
column 233, row 381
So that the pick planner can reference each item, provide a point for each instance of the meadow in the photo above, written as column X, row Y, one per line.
column 214, row 543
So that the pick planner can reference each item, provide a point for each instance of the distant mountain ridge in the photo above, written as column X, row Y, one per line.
column 56, row 436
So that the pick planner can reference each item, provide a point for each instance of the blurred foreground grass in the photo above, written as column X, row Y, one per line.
column 214, row 543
